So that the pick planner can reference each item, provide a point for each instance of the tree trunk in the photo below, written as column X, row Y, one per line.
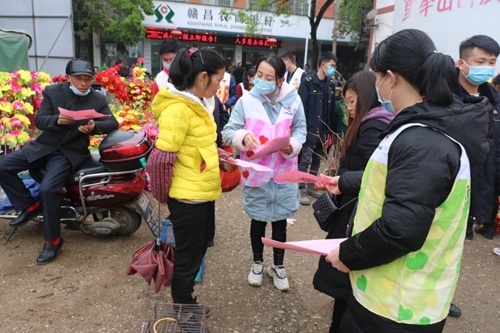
column 314, row 26
column 78, row 42
column 315, row 44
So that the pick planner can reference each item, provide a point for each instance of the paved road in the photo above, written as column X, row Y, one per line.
column 86, row 289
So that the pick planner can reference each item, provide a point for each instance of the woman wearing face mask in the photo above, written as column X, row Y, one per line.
column 184, row 166
column 247, row 84
column 367, row 121
column 272, row 109
column 408, row 233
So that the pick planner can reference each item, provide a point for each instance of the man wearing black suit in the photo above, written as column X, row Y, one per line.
column 61, row 148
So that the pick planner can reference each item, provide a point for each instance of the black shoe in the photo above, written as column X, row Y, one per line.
column 210, row 243
column 455, row 311
column 487, row 232
column 24, row 217
column 49, row 253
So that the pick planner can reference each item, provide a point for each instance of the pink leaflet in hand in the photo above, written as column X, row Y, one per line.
column 316, row 246
column 301, row 177
column 249, row 165
column 82, row 114
column 271, row 146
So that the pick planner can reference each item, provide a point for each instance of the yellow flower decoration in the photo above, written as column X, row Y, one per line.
column 4, row 86
column 25, row 76
column 4, row 76
column 6, row 123
column 26, row 92
column 6, row 107
column 22, row 118
column 28, row 107
column 44, row 76
column 23, row 138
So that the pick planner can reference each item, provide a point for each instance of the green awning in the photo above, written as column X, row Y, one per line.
column 14, row 46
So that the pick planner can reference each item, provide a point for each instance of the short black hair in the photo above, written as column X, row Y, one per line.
column 170, row 45
column 327, row 56
column 496, row 80
column 287, row 55
column 485, row 43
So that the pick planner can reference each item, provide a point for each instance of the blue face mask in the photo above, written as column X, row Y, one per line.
column 386, row 105
column 77, row 92
column 330, row 71
column 479, row 74
column 166, row 65
column 264, row 87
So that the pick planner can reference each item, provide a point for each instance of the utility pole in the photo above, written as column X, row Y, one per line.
column 336, row 6
column 307, row 38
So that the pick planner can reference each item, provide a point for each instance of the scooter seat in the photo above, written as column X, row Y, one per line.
column 89, row 167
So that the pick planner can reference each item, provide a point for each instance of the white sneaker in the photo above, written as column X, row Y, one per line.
column 255, row 275
column 496, row 250
column 278, row 273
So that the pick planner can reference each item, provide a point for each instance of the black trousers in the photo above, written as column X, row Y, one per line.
column 190, row 223
column 258, row 230
column 58, row 169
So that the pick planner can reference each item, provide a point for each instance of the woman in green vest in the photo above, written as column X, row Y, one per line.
column 407, row 238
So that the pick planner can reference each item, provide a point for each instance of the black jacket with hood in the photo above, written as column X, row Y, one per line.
column 327, row 279
column 486, row 177
column 422, row 167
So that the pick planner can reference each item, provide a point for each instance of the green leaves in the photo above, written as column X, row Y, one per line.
column 121, row 18
column 351, row 16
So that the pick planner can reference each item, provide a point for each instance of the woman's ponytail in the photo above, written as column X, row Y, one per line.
column 437, row 78
column 180, row 69
column 187, row 64
column 411, row 53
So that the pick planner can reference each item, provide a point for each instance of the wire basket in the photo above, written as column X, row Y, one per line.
column 189, row 318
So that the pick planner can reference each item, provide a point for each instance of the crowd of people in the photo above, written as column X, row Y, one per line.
column 411, row 181
column 419, row 166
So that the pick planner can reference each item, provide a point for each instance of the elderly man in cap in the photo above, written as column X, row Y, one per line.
column 168, row 49
column 61, row 148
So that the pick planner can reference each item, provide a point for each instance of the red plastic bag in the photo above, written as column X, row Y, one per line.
column 230, row 180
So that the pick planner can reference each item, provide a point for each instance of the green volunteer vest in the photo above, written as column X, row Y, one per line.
column 417, row 288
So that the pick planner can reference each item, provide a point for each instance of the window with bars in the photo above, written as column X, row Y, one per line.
column 253, row 4
column 220, row 3
column 298, row 7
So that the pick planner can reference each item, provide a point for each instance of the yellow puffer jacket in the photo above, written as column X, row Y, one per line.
column 188, row 129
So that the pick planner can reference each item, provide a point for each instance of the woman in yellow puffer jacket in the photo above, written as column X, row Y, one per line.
column 184, row 167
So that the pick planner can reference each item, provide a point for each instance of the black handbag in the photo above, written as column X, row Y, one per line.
column 325, row 210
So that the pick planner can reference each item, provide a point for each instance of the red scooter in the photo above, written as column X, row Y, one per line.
column 104, row 196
